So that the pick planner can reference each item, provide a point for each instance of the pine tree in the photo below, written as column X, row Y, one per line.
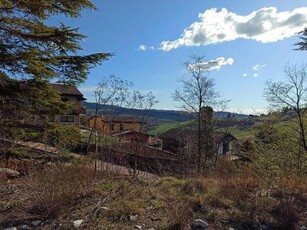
column 33, row 53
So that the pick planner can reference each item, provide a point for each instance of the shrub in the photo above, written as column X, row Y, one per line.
column 63, row 136
column 56, row 187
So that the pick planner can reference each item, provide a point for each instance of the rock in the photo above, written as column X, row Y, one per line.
column 77, row 223
column 9, row 172
column 138, row 226
column 199, row 225
column 231, row 229
column 133, row 217
column 151, row 229
column 12, row 228
column 24, row 227
column 36, row 223
column 303, row 227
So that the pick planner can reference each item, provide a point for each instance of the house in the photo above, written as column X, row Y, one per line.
column 180, row 140
column 225, row 142
column 141, row 137
column 109, row 124
column 70, row 94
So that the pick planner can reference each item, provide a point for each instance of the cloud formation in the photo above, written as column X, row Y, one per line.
column 213, row 64
column 258, row 67
column 264, row 25
column 145, row 47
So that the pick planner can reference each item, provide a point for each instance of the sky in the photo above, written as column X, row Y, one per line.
column 245, row 43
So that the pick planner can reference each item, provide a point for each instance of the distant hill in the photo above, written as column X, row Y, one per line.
column 159, row 116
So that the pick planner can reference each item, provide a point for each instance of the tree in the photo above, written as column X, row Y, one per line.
column 293, row 94
column 33, row 53
column 143, row 103
column 111, row 91
column 197, row 91
column 302, row 45
column 207, row 135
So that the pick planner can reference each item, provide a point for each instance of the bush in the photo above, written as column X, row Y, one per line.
column 63, row 136
column 56, row 187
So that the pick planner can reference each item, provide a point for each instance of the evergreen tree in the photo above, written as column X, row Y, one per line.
column 302, row 45
column 34, row 53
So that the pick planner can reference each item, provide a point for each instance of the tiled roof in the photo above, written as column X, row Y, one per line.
column 67, row 90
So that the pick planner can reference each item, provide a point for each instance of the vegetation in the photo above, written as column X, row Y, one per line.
column 33, row 53
column 292, row 94
column 236, row 199
column 162, row 128
column 302, row 45
column 196, row 93
column 262, row 187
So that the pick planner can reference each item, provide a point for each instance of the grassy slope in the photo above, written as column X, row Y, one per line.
column 240, row 134
column 167, row 126
column 106, row 201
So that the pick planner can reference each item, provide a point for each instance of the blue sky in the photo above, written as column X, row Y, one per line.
column 151, row 39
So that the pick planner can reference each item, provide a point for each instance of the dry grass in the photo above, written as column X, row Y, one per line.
column 62, row 193
column 57, row 186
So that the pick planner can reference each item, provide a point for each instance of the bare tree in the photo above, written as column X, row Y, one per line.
column 197, row 91
column 111, row 91
column 291, row 93
column 143, row 103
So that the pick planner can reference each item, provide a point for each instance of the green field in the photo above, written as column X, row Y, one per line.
column 240, row 134
column 162, row 128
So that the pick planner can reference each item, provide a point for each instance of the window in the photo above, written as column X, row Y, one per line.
column 121, row 127
column 67, row 119
column 65, row 99
column 112, row 127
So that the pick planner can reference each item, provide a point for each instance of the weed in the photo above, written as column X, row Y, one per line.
column 56, row 187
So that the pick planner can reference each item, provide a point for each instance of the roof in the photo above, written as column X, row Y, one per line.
column 220, row 136
column 175, row 132
column 67, row 90
column 120, row 118
column 190, row 132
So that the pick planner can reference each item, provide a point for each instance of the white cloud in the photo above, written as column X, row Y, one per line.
column 144, row 47
column 255, row 75
column 264, row 25
column 213, row 64
column 255, row 111
column 244, row 74
column 258, row 67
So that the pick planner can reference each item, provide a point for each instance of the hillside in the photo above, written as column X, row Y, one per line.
column 157, row 115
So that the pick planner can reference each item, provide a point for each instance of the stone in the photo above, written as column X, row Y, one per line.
column 24, row 227
column 231, row 229
column 12, row 228
column 36, row 223
column 151, row 229
column 138, row 227
column 199, row 225
column 303, row 227
column 77, row 223
column 133, row 217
